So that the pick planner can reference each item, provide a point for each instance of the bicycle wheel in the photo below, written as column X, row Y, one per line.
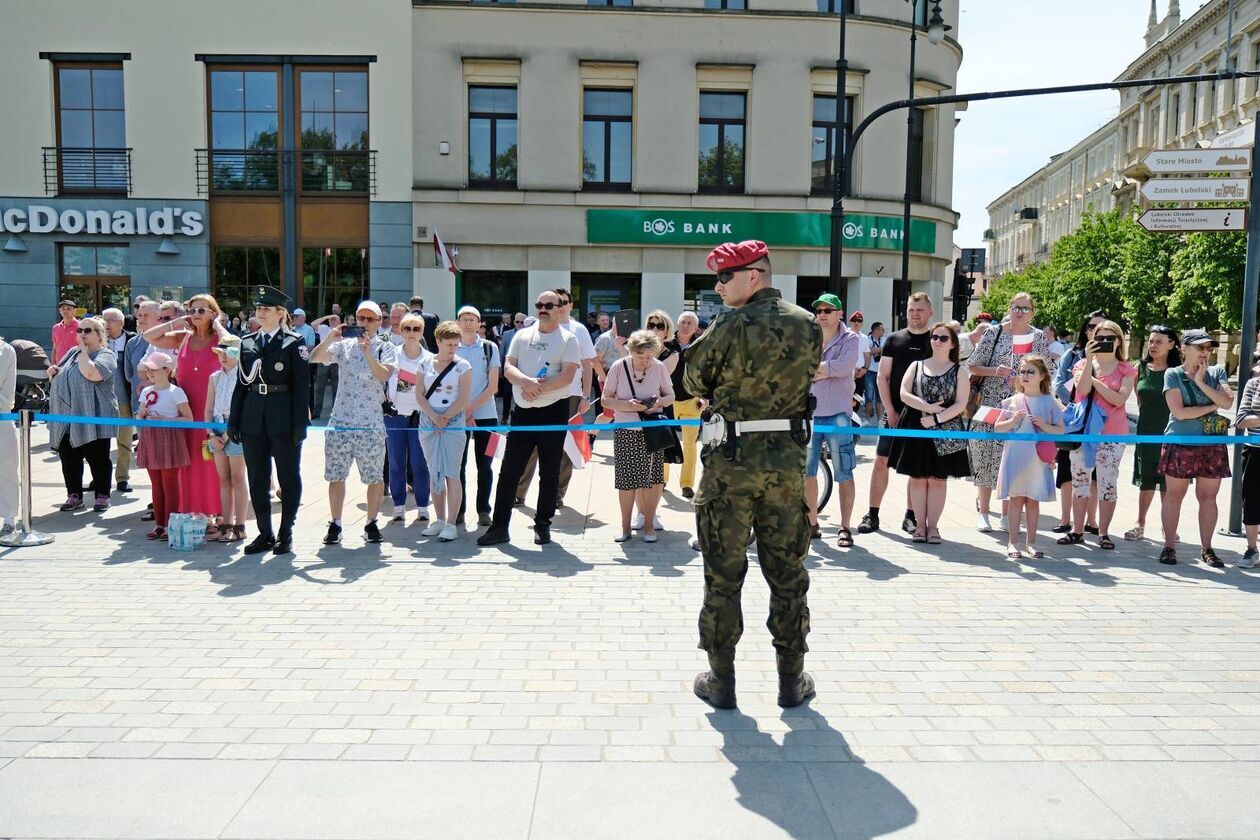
column 826, row 483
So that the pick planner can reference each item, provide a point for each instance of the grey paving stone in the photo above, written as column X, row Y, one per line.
column 367, row 799
column 136, row 798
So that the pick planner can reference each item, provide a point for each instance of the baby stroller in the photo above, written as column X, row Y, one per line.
column 32, row 376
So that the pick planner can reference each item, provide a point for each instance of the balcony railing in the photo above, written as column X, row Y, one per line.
column 99, row 171
column 316, row 171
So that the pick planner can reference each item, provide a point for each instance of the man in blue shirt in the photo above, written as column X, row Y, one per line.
column 485, row 360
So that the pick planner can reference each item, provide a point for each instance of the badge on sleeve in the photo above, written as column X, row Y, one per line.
column 304, row 352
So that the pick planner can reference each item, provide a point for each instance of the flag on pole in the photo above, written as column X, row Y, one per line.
column 496, row 446
column 577, row 444
column 443, row 254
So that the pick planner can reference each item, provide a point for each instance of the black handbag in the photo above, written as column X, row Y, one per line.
column 658, row 438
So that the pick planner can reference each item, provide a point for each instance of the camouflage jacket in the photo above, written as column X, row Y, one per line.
column 756, row 363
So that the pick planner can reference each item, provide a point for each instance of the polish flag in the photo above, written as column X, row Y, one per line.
column 496, row 446
column 577, row 444
column 988, row 415
column 1022, row 344
column 443, row 254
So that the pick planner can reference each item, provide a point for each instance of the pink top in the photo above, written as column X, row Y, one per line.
column 65, row 338
column 199, row 481
column 1117, row 418
column 655, row 384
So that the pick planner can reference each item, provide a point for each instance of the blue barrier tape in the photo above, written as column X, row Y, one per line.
column 13, row 417
column 854, row 431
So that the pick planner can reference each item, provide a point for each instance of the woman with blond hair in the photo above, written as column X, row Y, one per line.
column 192, row 338
column 637, row 388
column 1105, row 377
column 83, row 386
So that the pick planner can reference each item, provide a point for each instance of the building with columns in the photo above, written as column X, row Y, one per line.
column 608, row 147
column 1105, row 170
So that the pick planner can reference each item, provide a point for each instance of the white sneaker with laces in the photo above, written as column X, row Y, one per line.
column 449, row 533
column 435, row 528
column 983, row 525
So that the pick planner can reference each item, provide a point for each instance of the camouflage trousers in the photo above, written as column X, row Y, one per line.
column 732, row 500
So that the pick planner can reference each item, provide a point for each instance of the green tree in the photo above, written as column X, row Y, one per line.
column 1085, row 271
column 1146, row 275
column 1208, row 272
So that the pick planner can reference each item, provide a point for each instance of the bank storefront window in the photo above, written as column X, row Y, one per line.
column 91, row 129
column 334, row 130
column 96, row 277
column 493, row 292
column 721, row 162
column 492, row 137
column 700, row 297
column 245, row 130
column 237, row 268
column 333, row 275
column 607, row 139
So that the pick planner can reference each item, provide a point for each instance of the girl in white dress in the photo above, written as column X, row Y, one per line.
column 1025, row 480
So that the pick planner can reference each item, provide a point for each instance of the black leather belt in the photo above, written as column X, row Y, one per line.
column 262, row 389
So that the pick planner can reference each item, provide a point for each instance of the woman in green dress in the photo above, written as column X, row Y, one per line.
column 1162, row 353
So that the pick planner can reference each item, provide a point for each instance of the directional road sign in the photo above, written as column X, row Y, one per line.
column 1185, row 161
column 1197, row 189
column 1193, row 219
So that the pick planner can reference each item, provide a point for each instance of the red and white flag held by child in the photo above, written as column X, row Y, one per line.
column 577, row 444
column 496, row 446
column 988, row 415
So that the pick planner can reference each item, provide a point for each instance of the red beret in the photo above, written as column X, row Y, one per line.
column 733, row 255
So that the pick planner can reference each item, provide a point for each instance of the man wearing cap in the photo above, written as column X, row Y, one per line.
column 269, row 416
column 65, row 333
column 754, row 366
column 366, row 361
column 833, row 394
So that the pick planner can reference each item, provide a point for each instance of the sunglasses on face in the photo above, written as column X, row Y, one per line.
column 85, row 331
column 200, row 310
column 822, row 310
column 941, row 338
column 547, row 306
column 518, row 323
column 655, row 325
column 1021, row 309
column 413, row 329
column 725, row 277
column 855, row 320
column 1101, row 336
column 1028, row 371
column 371, row 319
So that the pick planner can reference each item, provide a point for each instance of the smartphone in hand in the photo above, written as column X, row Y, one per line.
column 351, row 332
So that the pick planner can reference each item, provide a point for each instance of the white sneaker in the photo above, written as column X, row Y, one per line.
column 423, row 513
column 983, row 525
column 636, row 524
column 1005, row 526
column 435, row 528
column 1248, row 560
column 656, row 523
column 449, row 533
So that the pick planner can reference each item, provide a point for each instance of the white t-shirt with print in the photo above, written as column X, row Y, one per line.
column 164, row 404
column 541, row 355
column 445, row 394
column 402, row 385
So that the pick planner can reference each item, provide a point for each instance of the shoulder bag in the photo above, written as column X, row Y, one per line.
column 1069, row 445
column 1046, row 449
column 660, row 438
column 977, row 382
column 414, row 420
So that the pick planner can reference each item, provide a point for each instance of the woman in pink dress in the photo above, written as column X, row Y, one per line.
column 193, row 338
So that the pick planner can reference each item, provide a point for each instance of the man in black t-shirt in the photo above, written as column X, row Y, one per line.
column 901, row 349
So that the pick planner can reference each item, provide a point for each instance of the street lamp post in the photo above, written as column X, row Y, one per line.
column 840, row 157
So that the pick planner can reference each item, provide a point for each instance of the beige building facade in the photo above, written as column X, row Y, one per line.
column 1105, row 170
column 608, row 149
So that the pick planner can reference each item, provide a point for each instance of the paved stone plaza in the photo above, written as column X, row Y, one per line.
column 415, row 689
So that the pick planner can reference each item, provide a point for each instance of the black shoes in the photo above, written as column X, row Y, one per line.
column 124, row 487
column 795, row 689
column 542, row 534
column 284, row 543
column 688, row 493
column 1168, row 556
column 261, row 543
column 371, row 532
column 334, row 534
column 495, row 536
column 869, row 523
column 908, row 524
column 716, row 690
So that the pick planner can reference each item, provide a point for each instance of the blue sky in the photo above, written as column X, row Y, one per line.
column 1033, row 43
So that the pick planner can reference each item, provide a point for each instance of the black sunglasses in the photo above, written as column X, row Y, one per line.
column 85, row 330
column 655, row 325
column 942, row 338
column 547, row 306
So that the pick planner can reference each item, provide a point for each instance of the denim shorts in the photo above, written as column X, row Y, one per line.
column 842, row 447
column 870, row 384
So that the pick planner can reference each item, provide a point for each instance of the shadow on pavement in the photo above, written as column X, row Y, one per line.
column 665, row 558
column 856, row 559
column 862, row 806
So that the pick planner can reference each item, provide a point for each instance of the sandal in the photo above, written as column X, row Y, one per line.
column 1034, row 552
column 933, row 536
column 919, row 536
column 1105, row 543
column 1091, row 529
column 1061, row 529
column 1209, row 556
column 846, row 538
column 156, row 534
column 1135, row 533
column 1013, row 553
column 1168, row 556
column 1071, row 538
column 815, row 533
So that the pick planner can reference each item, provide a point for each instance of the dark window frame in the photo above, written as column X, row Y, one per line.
column 354, row 164
column 114, row 155
column 607, row 184
column 493, row 117
column 828, row 187
column 95, row 281
column 723, row 123
column 245, row 154
column 828, row 7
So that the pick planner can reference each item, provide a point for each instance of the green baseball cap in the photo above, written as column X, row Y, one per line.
column 831, row 300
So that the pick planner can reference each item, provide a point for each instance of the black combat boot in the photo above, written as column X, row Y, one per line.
column 795, row 686
column 717, row 685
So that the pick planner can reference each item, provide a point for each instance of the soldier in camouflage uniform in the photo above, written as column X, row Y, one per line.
column 754, row 366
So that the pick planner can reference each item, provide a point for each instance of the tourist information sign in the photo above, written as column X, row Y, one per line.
column 1178, row 219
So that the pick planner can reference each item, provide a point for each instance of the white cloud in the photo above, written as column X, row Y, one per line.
column 1028, row 43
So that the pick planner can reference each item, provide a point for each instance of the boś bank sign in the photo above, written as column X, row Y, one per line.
column 785, row 230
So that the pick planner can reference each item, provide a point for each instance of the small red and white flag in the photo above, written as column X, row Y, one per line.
column 443, row 254
column 1022, row 344
column 496, row 446
column 988, row 415
column 577, row 444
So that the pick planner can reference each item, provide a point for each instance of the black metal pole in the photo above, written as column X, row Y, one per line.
column 901, row 286
column 840, row 159
column 1251, row 287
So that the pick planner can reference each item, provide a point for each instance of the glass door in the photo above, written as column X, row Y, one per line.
column 96, row 277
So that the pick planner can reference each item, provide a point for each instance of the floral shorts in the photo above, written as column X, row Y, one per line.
column 1106, row 467
column 365, row 448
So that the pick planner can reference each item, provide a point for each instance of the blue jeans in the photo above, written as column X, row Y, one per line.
column 870, row 384
column 403, row 445
column 843, row 448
